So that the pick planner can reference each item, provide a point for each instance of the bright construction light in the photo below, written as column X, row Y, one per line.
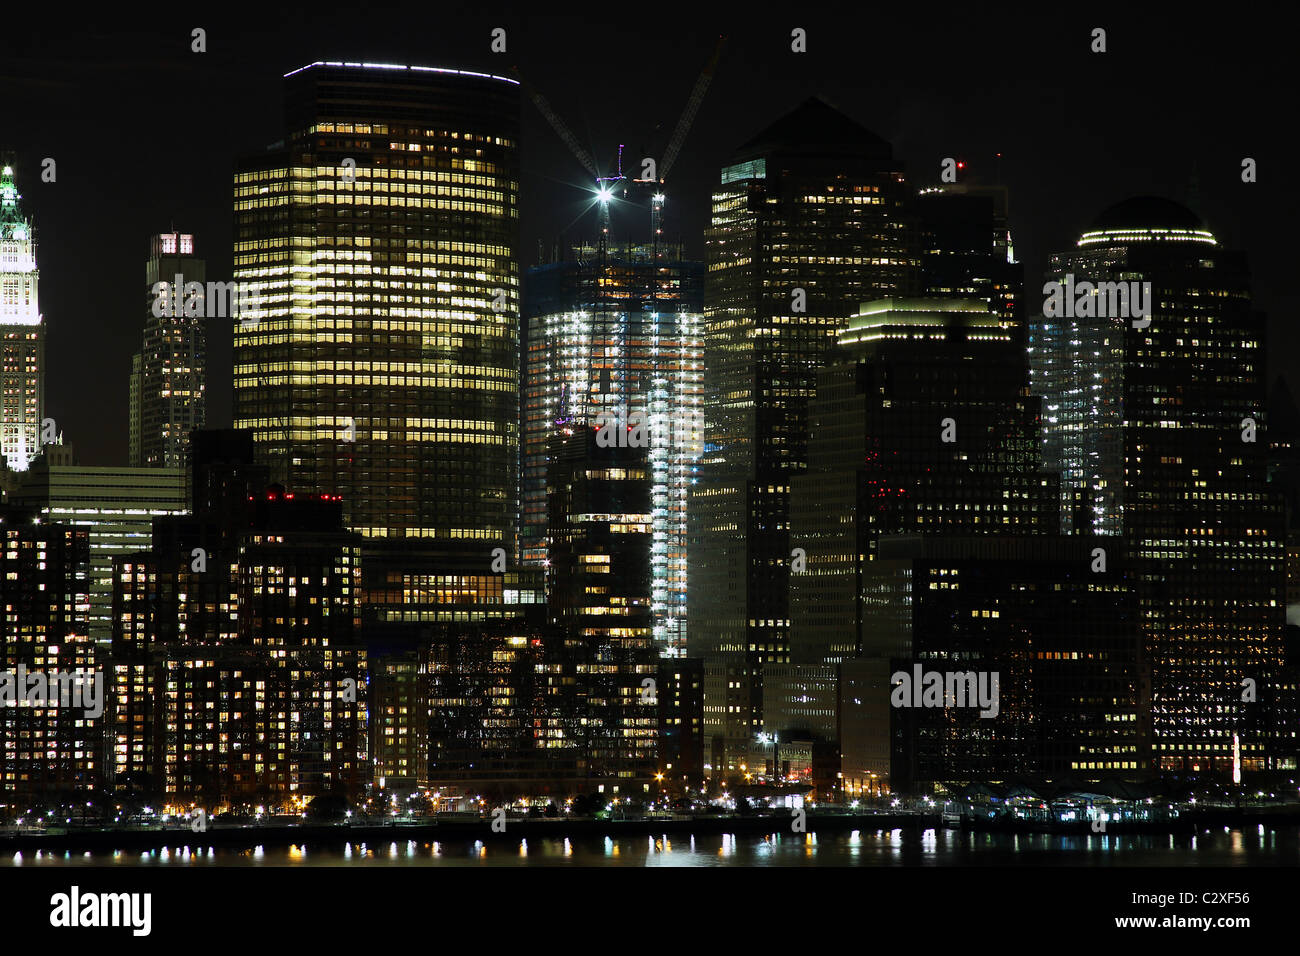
column 605, row 195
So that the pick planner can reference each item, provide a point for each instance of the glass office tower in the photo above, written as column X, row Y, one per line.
column 1156, row 424
column 808, row 223
column 376, row 353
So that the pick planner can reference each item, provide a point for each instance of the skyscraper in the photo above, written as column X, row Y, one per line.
column 22, row 333
column 376, row 354
column 168, row 384
column 620, row 328
column 1150, row 360
column 966, row 248
column 922, row 426
column 808, row 223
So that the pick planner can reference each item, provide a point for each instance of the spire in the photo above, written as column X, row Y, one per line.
column 12, row 223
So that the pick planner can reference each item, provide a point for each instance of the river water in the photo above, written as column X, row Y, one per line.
column 1256, row 846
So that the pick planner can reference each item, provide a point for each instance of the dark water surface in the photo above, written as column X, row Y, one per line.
column 1255, row 846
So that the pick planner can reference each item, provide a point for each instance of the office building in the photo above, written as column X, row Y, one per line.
column 168, row 384
column 922, row 426
column 116, row 505
column 966, row 249
column 376, row 354
column 809, row 221
column 1049, row 678
column 1150, row 360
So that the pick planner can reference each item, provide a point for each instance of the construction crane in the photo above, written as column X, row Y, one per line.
column 557, row 124
column 606, row 186
column 688, row 114
column 683, row 127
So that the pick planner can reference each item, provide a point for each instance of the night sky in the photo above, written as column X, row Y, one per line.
column 146, row 133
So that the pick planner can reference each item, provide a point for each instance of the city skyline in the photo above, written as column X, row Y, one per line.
column 385, row 359
column 1115, row 154
column 562, row 454
column 693, row 441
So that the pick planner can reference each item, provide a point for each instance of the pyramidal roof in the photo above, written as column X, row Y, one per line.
column 816, row 126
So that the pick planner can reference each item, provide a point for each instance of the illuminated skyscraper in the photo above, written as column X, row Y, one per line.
column 1153, row 416
column 22, row 333
column 168, row 374
column 808, row 223
column 620, row 328
column 376, row 352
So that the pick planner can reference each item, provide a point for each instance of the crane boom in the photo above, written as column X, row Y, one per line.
column 688, row 113
column 561, row 130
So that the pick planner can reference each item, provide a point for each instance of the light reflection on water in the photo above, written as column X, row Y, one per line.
column 933, row 847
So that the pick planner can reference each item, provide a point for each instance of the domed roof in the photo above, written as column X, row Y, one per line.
column 1148, row 212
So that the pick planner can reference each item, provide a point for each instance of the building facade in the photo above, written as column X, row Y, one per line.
column 603, row 664
column 116, row 505
column 620, row 328
column 52, row 744
column 1150, row 359
column 376, row 354
column 168, row 384
column 809, row 221
column 22, row 333
column 238, row 670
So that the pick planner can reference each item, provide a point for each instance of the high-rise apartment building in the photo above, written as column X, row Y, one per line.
column 53, row 709
column 238, row 671
column 168, row 383
column 22, row 333
column 1150, row 360
column 809, row 221
column 376, row 352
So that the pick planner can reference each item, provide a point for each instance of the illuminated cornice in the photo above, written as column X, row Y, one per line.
column 1123, row 237
column 398, row 66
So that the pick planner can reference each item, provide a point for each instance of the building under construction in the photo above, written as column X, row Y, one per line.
column 614, row 339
